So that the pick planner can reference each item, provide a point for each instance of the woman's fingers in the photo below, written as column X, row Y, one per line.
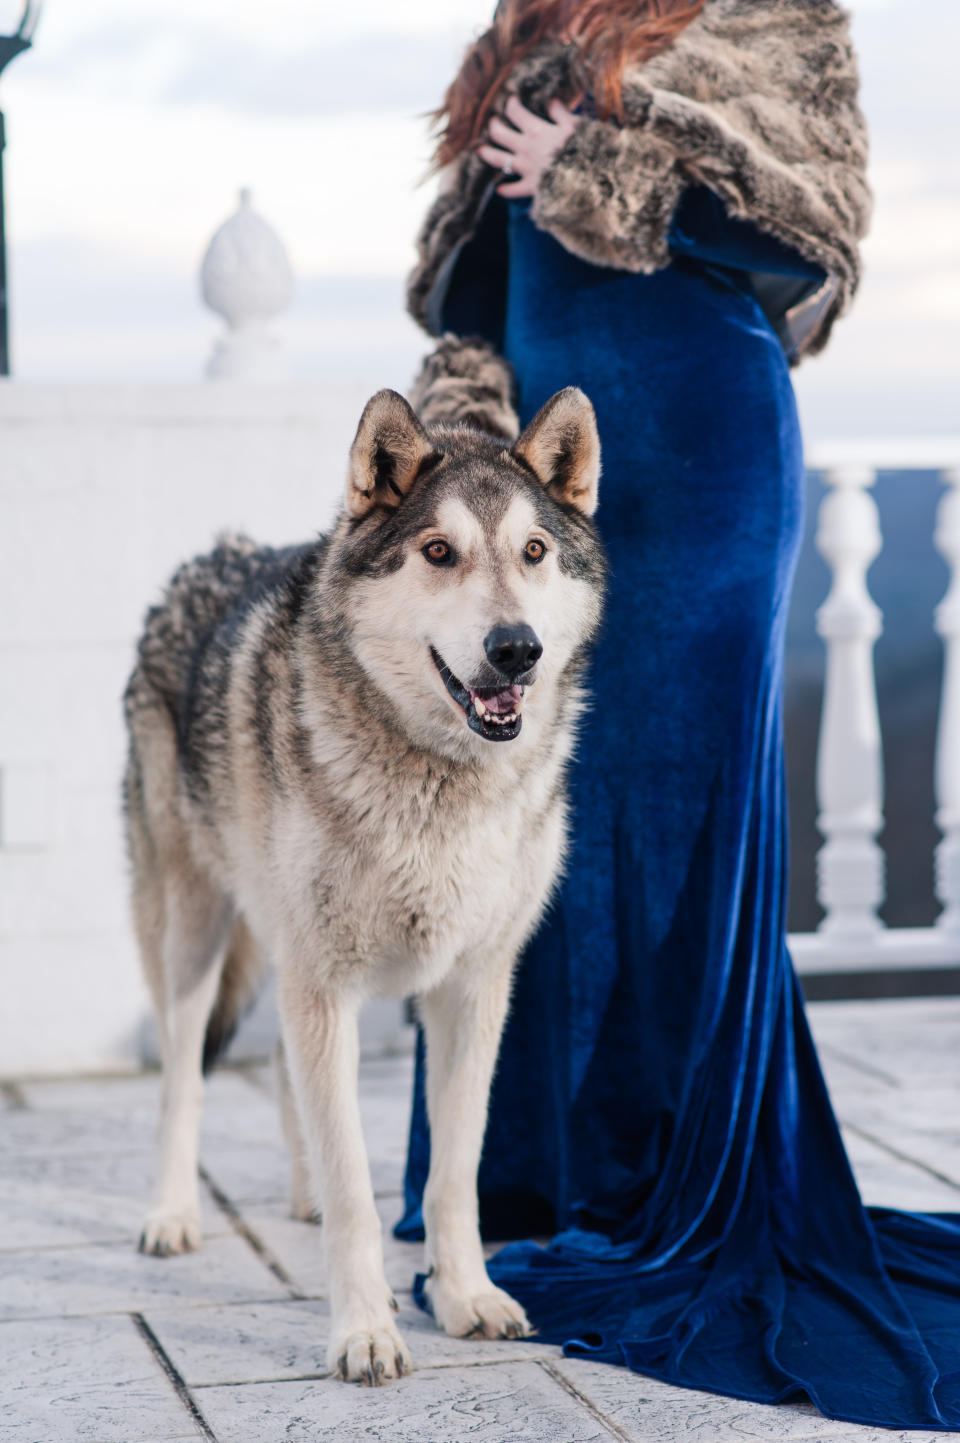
column 506, row 135
column 499, row 159
column 562, row 115
column 522, row 118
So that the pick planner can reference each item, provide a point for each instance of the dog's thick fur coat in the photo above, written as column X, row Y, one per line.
column 757, row 99
column 333, row 765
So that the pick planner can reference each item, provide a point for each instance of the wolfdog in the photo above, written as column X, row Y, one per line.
column 348, row 757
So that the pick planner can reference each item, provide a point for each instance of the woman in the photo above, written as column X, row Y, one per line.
column 662, row 203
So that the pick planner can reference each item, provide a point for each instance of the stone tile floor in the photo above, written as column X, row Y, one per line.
column 100, row 1344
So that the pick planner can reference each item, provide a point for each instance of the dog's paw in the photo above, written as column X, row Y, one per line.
column 165, row 1233
column 370, row 1356
column 490, row 1313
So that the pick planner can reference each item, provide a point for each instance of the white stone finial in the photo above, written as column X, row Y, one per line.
column 246, row 278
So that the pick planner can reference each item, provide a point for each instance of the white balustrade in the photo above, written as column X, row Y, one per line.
column 850, row 864
column 850, row 871
column 947, row 773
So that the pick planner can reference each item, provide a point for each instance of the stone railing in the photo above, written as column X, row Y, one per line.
column 850, row 864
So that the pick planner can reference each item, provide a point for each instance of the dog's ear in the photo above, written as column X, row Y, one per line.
column 562, row 448
column 389, row 451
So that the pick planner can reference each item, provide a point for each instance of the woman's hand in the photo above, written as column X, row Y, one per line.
column 525, row 147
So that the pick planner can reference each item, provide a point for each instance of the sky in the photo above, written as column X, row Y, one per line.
column 131, row 130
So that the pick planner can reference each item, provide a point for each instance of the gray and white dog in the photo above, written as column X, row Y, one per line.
column 348, row 757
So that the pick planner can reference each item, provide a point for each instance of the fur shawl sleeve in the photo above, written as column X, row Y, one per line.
column 757, row 100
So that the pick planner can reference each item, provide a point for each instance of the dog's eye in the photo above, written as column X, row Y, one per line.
column 534, row 551
column 439, row 553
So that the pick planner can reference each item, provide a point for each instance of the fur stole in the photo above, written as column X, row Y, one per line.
column 757, row 100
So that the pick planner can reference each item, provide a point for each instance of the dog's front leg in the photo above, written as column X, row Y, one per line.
column 463, row 1019
column 322, row 1047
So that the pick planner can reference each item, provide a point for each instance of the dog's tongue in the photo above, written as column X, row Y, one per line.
column 501, row 701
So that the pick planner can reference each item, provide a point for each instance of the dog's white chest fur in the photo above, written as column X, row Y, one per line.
column 430, row 886
column 444, row 904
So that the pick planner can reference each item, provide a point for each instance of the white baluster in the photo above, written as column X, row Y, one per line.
column 947, row 775
column 850, row 864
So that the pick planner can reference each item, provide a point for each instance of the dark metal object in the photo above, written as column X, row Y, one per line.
column 11, row 46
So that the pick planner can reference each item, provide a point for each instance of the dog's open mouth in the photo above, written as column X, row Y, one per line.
column 494, row 715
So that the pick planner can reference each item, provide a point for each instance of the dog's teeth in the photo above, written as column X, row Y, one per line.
column 479, row 707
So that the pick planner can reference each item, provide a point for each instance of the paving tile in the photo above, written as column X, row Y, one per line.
column 75, row 1379
column 932, row 1150
column 261, row 1075
column 31, row 1134
column 907, row 1188
column 58, row 1199
column 386, row 1089
column 242, row 1142
column 259, row 1342
column 919, row 1151
column 862, row 1152
column 128, row 1108
column 255, row 1170
column 131, row 1095
column 913, row 1040
column 849, row 1077
column 236, row 1112
column 299, row 1245
column 648, row 1411
column 249, row 1172
column 925, row 1109
column 518, row 1402
column 130, row 1092
column 252, row 1166
column 116, row 1278
column 392, row 1076
column 886, row 1181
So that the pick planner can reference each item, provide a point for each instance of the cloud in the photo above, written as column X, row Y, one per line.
column 186, row 64
column 274, row 25
column 154, row 181
column 385, row 72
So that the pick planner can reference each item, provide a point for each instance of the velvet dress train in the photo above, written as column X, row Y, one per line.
column 658, row 1102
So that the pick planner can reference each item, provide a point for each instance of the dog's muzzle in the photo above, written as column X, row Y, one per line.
column 494, row 712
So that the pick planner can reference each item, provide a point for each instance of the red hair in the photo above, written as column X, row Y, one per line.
column 611, row 34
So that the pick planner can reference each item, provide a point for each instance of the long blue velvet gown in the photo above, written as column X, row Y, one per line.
column 658, row 1099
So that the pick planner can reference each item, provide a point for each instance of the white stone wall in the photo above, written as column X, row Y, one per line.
column 103, row 490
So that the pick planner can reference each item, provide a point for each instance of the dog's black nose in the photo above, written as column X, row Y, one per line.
column 512, row 649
